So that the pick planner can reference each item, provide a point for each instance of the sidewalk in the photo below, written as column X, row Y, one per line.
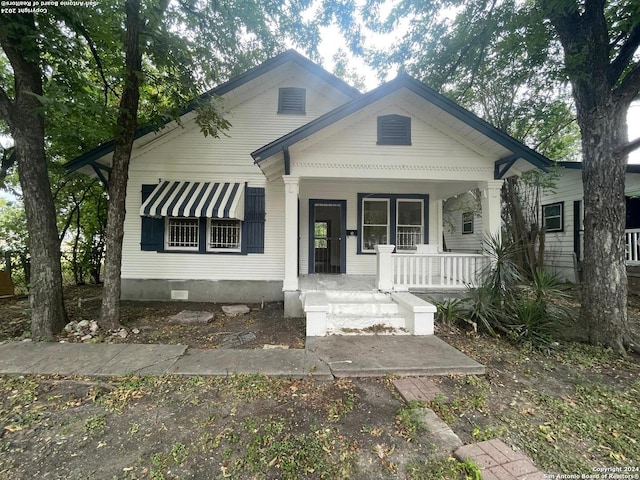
column 323, row 358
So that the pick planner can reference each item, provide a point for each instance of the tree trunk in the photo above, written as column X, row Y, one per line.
column 127, row 124
column 604, row 301
column 26, row 124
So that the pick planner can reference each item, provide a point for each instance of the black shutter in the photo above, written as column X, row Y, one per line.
column 254, row 214
column 152, row 237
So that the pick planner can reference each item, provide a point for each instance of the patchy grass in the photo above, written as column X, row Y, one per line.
column 445, row 469
column 571, row 409
column 241, row 426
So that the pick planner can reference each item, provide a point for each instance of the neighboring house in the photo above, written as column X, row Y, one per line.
column 310, row 178
column 462, row 223
column 562, row 216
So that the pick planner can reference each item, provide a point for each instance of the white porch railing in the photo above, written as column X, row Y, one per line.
column 402, row 271
column 632, row 240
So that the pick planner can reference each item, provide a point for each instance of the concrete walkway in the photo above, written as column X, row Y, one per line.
column 323, row 358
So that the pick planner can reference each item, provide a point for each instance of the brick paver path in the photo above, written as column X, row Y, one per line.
column 499, row 462
column 416, row 388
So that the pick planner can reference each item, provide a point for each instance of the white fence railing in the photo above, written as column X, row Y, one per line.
column 402, row 271
column 632, row 240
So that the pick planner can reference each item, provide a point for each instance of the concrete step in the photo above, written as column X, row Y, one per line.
column 340, row 296
column 364, row 309
column 357, row 323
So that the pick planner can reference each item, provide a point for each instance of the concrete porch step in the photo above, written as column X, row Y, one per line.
column 380, row 323
column 331, row 312
column 364, row 309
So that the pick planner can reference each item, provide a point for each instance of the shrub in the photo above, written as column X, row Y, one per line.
column 527, row 312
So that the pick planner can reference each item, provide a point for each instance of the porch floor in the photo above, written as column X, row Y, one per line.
column 337, row 282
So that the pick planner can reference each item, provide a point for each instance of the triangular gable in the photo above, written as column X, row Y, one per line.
column 92, row 156
column 518, row 150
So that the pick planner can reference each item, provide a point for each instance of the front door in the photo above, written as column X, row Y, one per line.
column 327, row 231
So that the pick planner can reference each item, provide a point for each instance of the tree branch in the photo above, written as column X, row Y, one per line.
column 629, row 147
column 80, row 28
column 630, row 85
column 625, row 55
column 6, row 107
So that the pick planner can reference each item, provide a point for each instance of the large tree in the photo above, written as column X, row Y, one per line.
column 592, row 44
column 146, row 64
column 234, row 31
column 20, row 108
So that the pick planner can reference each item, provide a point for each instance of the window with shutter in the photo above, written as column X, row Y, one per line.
column 292, row 100
column 394, row 130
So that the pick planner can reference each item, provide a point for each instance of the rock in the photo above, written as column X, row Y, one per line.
column 93, row 326
column 190, row 317
column 83, row 324
column 237, row 339
column 26, row 339
column 135, row 331
column 70, row 327
column 86, row 337
column 275, row 347
column 235, row 310
column 122, row 333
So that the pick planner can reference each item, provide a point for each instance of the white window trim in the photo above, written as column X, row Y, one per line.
column 230, row 250
column 167, row 231
column 388, row 224
column 470, row 222
column 398, row 224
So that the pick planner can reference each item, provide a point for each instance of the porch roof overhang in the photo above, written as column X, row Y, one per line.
column 515, row 153
column 98, row 160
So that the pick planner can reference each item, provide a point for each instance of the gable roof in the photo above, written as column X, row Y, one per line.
column 518, row 149
column 100, row 151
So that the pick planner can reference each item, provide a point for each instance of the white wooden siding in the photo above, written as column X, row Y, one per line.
column 363, row 264
column 185, row 154
column 456, row 240
column 559, row 253
column 349, row 149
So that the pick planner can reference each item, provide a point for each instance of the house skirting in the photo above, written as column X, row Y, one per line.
column 225, row 291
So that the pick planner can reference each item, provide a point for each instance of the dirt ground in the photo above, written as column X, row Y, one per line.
column 572, row 408
column 148, row 322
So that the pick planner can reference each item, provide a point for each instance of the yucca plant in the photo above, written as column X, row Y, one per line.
column 506, row 303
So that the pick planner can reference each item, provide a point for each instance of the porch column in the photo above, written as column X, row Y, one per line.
column 490, row 201
column 291, row 190
column 437, row 236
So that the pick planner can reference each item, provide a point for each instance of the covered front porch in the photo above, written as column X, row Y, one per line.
column 341, row 238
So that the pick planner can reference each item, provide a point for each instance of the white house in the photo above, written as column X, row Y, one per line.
column 312, row 177
column 561, row 213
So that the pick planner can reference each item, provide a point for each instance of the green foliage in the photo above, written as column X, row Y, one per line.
column 449, row 311
column 458, row 47
column 527, row 311
column 410, row 425
column 444, row 469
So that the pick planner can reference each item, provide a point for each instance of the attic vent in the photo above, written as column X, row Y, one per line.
column 394, row 130
column 292, row 100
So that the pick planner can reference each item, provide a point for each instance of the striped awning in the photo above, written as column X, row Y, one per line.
column 195, row 199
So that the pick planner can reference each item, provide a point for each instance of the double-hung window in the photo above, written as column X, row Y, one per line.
column 467, row 223
column 375, row 223
column 398, row 219
column 409, row 216
column 552, row 217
